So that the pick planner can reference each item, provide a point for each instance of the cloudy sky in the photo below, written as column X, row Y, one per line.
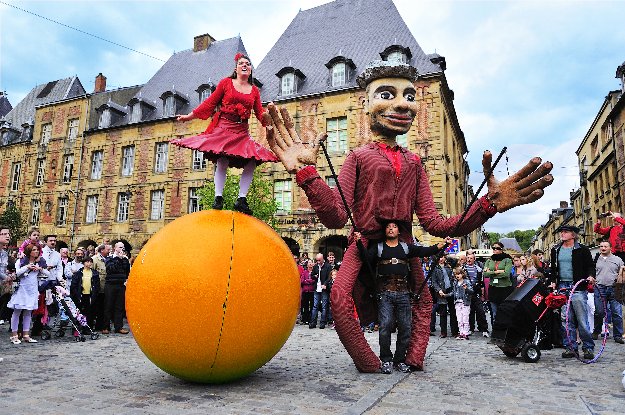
column 530, row 75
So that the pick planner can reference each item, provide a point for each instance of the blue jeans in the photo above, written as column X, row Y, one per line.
column 614, row 307
column 320, row 298
column 578, row 320
column 393, row 304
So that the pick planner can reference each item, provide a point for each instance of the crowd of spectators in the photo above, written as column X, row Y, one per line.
column 95, row 278
column 466, row 289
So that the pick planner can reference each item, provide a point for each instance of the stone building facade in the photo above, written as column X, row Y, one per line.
column 126, row 182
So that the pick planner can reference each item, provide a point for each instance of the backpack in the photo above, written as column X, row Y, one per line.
column 381, row 246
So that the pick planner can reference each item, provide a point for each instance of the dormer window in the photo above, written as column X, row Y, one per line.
column 135, row 113
column 287, row 84
column 290, row 80
column 169, row 107
column 110, row 114
column 205, row 94
column 204, row 91
column 396, row 54
column 341, row 71
column 338, row 74
column 105, row 118
column 173, row 102
column 27, row 131
column 139, row 109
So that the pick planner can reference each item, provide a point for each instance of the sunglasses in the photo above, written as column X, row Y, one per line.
column 497, row 248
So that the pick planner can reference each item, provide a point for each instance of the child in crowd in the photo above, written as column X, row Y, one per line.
column 33, row 239
column 462, row 292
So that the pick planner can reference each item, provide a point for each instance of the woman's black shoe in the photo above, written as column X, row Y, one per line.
column 242, row 206
column 218, row 203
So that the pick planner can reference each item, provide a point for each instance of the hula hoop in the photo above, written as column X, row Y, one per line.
column 604, row 327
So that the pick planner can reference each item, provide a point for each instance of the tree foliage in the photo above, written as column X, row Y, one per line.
column 493, row 237
column 12, row 219
column 259, row 197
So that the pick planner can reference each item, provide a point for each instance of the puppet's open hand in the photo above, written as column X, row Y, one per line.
column 524, row 186
column 293, row 152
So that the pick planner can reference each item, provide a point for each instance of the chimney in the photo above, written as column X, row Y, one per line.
column 563, row 204
column 100, row 83
column 202, row 42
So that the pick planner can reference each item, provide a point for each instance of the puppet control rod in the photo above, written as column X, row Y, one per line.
column 437, row 256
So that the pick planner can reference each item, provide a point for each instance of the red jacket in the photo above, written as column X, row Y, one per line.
column 616, row 234
column 231, row 102
column 374, row 193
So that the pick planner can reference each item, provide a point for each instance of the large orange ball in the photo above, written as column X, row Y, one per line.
column 213, row 296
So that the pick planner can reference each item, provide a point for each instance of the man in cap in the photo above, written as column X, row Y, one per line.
column 572, row 262
column 382, row 180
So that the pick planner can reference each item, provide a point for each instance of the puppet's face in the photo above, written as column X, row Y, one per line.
column 391, row 106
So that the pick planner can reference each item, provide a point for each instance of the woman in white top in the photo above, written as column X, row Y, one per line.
column 24, row 300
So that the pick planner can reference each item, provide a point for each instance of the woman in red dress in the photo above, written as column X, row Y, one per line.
column 227, row 141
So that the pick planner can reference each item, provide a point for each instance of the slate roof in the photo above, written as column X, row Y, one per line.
column 359, row 30
column 5, row 105
column 118, row 96
column 24, row 112
column 510, row 243
column 183, row 73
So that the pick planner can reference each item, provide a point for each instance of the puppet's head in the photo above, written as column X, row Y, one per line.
column 390, row 97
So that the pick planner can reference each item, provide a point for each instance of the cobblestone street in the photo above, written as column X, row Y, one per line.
column 312, row 374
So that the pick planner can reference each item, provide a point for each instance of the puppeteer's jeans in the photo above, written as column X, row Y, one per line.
column 394, row 306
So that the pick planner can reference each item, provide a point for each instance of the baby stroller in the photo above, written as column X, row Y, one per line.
column 68, row 315
column 521, row 323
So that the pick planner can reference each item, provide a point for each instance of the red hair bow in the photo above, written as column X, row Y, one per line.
column 238, row 56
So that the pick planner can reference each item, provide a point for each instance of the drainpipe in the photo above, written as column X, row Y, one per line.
column 82, row 149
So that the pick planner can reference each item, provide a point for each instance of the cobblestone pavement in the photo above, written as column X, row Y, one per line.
column 312, row 374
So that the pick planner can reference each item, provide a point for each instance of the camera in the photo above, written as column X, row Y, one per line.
column 604, row 215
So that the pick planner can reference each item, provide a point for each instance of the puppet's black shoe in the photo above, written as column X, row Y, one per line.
column 218, row 204
column 242, row 206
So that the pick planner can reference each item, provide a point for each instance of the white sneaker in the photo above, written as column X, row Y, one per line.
column 485, row 334
column 1, row 322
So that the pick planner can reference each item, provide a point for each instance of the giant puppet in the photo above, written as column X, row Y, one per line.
column 382, row 181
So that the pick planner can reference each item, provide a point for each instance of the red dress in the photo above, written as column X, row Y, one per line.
column 228, row 133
